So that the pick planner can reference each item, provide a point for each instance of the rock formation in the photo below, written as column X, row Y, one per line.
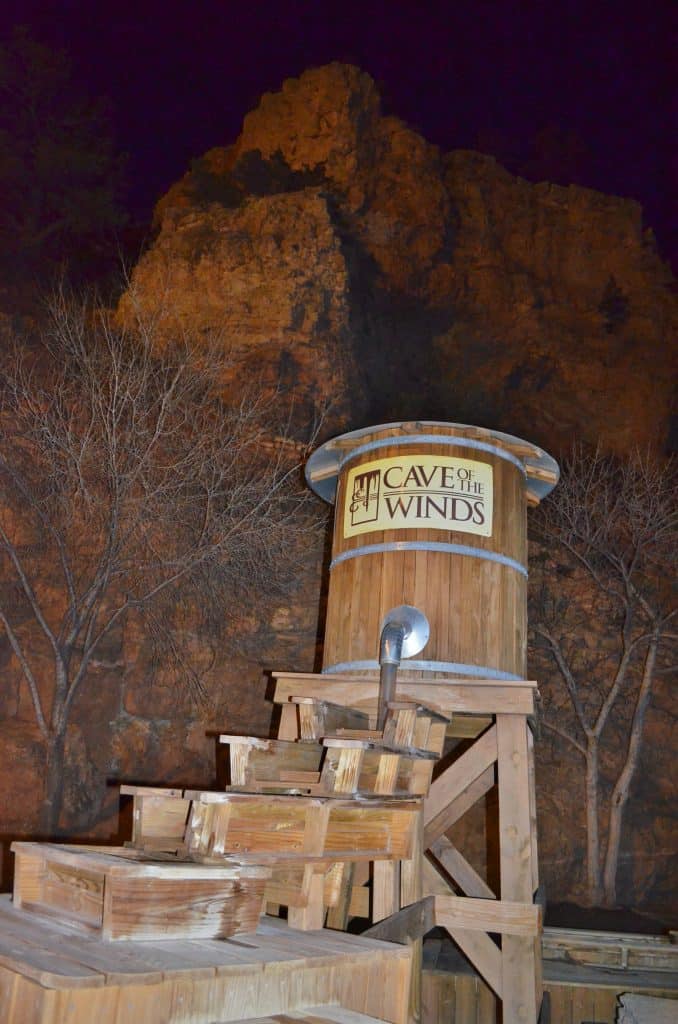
column 345, row 253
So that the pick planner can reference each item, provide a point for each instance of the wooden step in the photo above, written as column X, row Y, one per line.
column 414, row 725
column 104, row 890
column 50, row 972
column 318, row 718
column 408, row 724
column 207, row 827
column 315, row 1015
column 337, row 766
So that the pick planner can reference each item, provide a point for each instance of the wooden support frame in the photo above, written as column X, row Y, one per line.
column 501, row 755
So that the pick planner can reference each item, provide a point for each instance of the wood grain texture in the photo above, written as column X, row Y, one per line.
column 476, row 607
column 50, row 976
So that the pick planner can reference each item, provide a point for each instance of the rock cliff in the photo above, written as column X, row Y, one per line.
column 349, row 256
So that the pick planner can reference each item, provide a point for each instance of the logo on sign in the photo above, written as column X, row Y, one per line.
column 429, row 492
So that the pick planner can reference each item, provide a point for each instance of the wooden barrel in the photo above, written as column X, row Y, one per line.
column 431, row 515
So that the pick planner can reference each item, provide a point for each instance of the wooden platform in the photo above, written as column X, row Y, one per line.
column 51, row 974
column 583, row 984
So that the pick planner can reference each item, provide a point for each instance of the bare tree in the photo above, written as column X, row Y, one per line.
column 603, row 614
column 124, row 478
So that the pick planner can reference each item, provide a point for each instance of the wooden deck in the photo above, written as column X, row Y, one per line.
column 52, row 974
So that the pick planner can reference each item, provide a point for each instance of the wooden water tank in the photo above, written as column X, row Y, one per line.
column 431, row 515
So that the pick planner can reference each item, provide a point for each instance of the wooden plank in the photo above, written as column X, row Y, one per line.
column 385, row 889
column 459, row 869
column 465, row 781
column 483, row 954
column 406, row 925
column 449, row 695
column 468, row 726
column 311, row 917
column 411, row 891
column 261, row 830
column 488, row 915
column 533, row 812
column 119, row 962
column 519, row 954
column 434, row 883
column 288, row 727
column 50, row 969
column 461, row 773
column 339, row 912
column 460, row 805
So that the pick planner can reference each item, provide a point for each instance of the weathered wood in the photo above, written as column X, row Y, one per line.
column 275, row 828
column 459, row 869
column 440, row 810
column 312, row 915
column 338, row 765
column 406, row 925
column 520, row 955
column 363, row 588
column 411, row 891
column 635, row 1009
column 609, row 949
column 488, row 915
column 483, row 954
column 385, row 889
column 122, row 898
column 48, row 975
column 340, row 908
column 447, row 695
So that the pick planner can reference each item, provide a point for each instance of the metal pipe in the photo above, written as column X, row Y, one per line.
column 390, row 654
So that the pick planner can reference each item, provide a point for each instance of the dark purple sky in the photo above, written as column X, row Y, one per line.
column 473, row 74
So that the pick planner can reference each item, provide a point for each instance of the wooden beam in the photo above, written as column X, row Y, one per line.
column 385, row 889
column 483, row 954
column 464, row 782
column 472, row 696
column 460, row 774
column 406, row 925
column 521, row 974
column 288, row 727
column 488, row 915
column 459, row 869
column 411, row 891
column 434, row 883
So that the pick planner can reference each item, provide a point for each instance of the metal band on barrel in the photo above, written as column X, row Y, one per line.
column 429, row 545
column 449, row 667
column 456, row 442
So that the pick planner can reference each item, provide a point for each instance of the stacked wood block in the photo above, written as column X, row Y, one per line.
column 297, row 815
column 112, row 892
column 206, row 826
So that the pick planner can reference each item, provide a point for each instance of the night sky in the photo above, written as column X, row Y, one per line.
column 570, row 92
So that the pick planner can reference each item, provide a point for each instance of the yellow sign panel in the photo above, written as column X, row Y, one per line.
column 419, row 492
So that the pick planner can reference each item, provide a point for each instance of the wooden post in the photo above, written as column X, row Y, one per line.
column 520, row 975
column 411, row 891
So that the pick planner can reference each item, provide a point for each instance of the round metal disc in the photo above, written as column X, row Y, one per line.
column 416, row 627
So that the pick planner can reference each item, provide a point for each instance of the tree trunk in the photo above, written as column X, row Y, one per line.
column 54, row 783
column 620, row 794
column 593, row 873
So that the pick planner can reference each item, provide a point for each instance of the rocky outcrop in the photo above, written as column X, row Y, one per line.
column 344, row 252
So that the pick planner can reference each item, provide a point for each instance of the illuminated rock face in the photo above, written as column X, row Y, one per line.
column 346, row 254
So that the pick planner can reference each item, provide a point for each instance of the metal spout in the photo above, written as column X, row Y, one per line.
column 404, row 632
